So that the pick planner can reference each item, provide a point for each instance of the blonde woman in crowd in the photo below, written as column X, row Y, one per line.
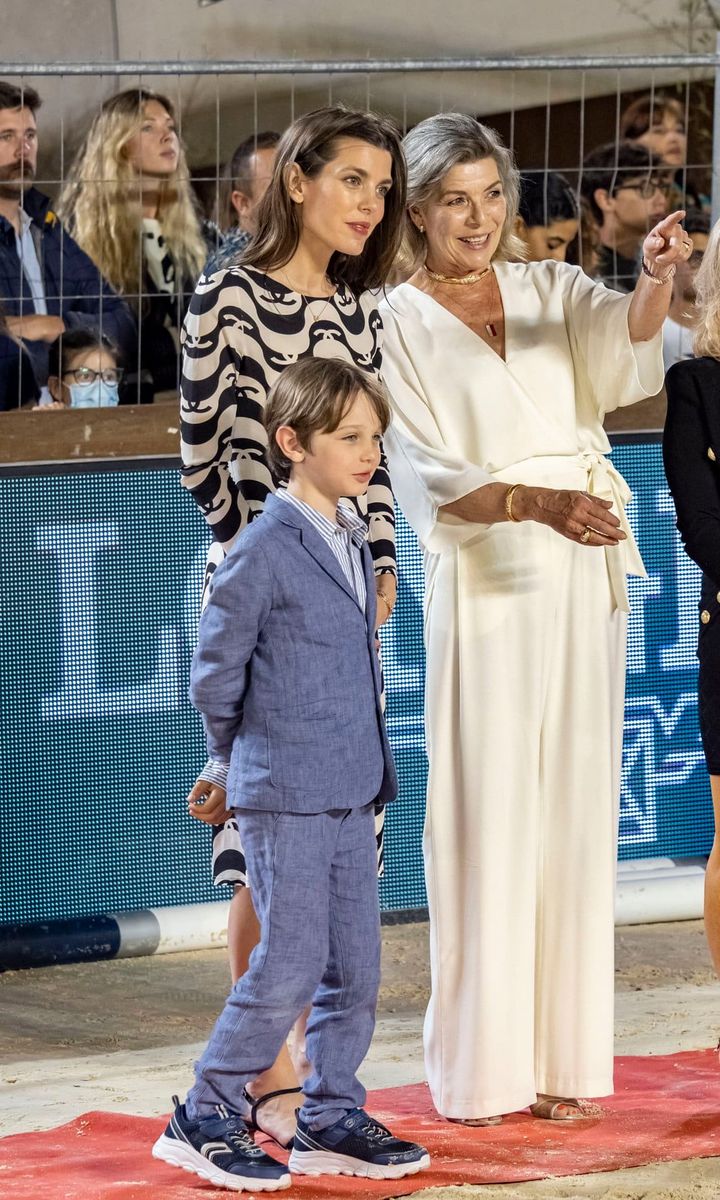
column 128, row 203
column 691, row 449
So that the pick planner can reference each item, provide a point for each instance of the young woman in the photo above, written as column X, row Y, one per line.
column 657, row 121
column 128, row 203
column 691, row 449
column 328, row 230
column 548, row 217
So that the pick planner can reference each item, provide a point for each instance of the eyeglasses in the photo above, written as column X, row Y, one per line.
column 646, row 188
column 85, row 377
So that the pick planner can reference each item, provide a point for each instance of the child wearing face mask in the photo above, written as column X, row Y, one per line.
column 83, row 371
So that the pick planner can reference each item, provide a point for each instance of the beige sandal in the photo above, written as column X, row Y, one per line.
column 477, row 1122
column 548, row 1108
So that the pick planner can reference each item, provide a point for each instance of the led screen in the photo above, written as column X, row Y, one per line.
column 100, row 578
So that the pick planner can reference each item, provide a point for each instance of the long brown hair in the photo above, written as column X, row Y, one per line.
column 310, row 142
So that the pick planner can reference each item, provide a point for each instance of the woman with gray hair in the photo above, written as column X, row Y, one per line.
column 500, row 374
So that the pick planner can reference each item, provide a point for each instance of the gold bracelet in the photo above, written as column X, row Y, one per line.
column 386, row 602
column 508, row 502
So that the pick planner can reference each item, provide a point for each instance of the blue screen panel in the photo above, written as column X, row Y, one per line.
column 100, row 580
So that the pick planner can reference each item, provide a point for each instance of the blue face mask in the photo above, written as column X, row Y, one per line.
column 94, row 395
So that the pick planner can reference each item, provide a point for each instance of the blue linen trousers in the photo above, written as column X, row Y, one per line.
column 314, row 879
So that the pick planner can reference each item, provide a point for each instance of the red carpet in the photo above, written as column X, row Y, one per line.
column 665, row 1108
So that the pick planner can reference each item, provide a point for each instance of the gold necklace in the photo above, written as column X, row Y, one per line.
column 313, row 314
column 490, row 326
column 474, row 277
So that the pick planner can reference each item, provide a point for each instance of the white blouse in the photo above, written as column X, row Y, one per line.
column 463, row 417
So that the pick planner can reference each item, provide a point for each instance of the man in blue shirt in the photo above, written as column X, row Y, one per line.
column 248, row 174
column 47, row 283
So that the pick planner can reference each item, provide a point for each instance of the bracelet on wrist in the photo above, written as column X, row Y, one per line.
column 509, row 501
column 659, row 280
column 386, row 602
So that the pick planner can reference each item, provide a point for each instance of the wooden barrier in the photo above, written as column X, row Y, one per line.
column 64, row 435
column 152, row 430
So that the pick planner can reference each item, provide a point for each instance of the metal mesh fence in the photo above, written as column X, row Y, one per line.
column 552, row 112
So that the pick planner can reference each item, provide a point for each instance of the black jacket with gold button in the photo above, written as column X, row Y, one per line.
column 691, row 451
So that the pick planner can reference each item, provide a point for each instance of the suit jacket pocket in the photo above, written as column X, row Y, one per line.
column 307, row 751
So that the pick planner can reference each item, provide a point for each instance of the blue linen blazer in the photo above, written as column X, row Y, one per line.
column 286, row 674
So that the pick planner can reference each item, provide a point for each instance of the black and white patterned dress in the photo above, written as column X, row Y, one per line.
column 241, row 331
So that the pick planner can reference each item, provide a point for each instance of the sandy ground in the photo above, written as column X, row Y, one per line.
column 123, row 1035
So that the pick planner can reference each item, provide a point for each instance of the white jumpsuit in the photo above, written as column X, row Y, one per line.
column 525, row 637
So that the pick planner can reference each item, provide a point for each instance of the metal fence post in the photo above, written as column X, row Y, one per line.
column 716, row 139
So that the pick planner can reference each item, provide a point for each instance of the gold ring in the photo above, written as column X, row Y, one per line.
column 585, row 535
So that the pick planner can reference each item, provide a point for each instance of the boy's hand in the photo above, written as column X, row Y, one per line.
column 207, row 802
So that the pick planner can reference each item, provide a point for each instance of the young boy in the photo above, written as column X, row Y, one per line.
column 287, row 679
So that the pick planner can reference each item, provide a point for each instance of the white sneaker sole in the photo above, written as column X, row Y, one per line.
column 324, row 1162
column 179, row 1154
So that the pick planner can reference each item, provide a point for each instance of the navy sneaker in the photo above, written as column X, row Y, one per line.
column 355, row 1145
column 220, row 1150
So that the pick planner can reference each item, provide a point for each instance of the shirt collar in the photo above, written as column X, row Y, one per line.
column 346, row 519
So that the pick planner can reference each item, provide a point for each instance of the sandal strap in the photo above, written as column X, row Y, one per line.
column 549, row 1107
column 256, row 1104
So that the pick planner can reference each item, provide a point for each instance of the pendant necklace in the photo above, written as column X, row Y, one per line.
column 490, row 326
column 473, row 277
column 314, row 315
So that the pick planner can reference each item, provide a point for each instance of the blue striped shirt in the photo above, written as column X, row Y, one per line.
column 345, row 536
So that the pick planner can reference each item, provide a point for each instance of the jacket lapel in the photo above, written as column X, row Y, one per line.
column 323, row 555
column 315, row 545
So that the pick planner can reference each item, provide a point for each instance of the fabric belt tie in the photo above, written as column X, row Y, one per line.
column 602, row 480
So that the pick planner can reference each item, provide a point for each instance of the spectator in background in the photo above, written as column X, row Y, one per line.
column 657, row 122
column 47, row 284
column 83, row 371
column 128, row 202
column 17, row 377
column 248, row 174
column 626, row 194
column 684, row 315
column 548, row 217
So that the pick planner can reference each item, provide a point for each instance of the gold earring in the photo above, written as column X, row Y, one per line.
column 421, row 228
